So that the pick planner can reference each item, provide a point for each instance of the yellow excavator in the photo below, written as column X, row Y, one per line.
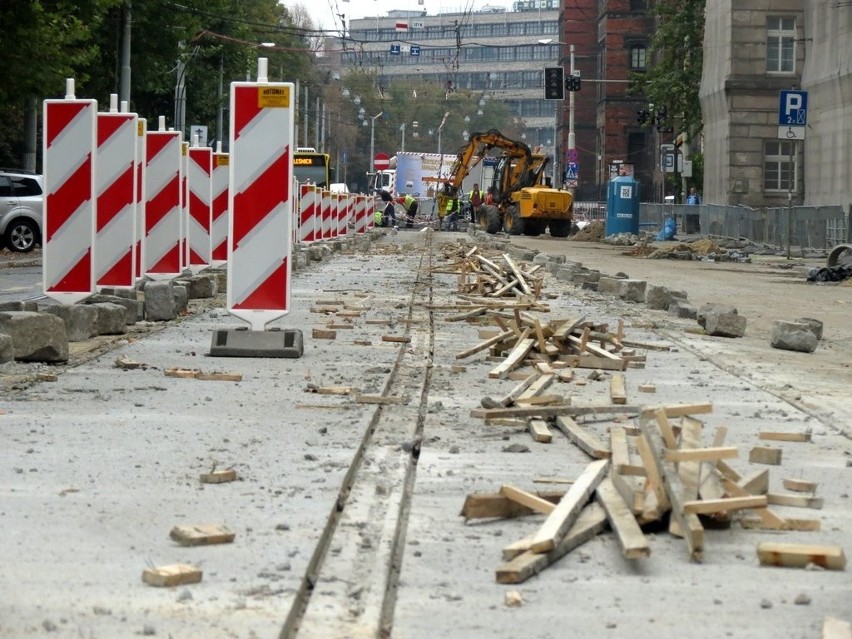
column 524, row 202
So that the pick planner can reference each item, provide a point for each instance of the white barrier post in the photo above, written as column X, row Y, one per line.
column 261, row 205
column 219, row 213
column 199, row 191
column 69, row 204
column 184, row 205
column 325, row 222
column 161, row 250
column 115, row 181
column 307, row 213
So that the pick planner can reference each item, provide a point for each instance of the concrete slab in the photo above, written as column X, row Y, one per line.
column 240, row 342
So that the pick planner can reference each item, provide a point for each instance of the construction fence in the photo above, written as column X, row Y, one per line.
column 814, row 227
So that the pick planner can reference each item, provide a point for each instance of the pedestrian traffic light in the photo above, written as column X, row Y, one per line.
column 573, row 82
column 554, row 83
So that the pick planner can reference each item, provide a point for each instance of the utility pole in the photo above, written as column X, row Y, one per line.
column 124, row 83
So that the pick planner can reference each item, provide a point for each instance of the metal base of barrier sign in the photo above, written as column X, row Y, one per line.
column 241, row 342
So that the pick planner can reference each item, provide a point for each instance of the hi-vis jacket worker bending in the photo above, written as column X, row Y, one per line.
column 409, row 203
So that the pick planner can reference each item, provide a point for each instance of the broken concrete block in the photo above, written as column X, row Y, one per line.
column 181, row 297
column 660, row 298
column 609, row 285
column 564, row 273
column 710, row 308
column 124, row 293
column 7, row 352
column 814, row 325
column 112, row 318
column 793, row 336
column 201, row 286
column 36, row 337
column 589, row 286
column 725, row 324
column 300, row 260
column 81, row 320
column 632, row 290
column 681, row 308
column 542, row 258
column 159, row 301
column 221, row 280
column 130, row 304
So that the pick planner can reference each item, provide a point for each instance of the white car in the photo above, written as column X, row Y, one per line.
column 338, row 187
column 21, row 210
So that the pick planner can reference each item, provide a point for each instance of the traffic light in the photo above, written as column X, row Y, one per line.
column 573, row 82
column 642, row 116
column 554, row 83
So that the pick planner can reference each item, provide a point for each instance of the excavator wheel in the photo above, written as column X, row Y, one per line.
column 512, row 221
column 560, row 228
column 489, row 219
column 534, row 227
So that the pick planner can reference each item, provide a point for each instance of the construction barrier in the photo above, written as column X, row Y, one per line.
column 260, row 200
column 327, row 203
column 308, row 205
column 199, row 193
column 219, row 208
column 69, row 206
column 115, row 183
column 184, row 204
column 161, row 249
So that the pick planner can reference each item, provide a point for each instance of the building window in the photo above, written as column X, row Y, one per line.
column 638, row 52
column 780, row 44
column 776, row 166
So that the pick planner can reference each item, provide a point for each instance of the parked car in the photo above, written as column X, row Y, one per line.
column 21, row 210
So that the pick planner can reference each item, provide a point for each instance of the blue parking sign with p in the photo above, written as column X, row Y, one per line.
column 793, row 108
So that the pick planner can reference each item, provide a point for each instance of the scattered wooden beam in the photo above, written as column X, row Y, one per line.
column 497, row 506
column 331, row 390
column 768, row 519
column 582, row 438
column 765, row 455
column 528, row 499
column 617, row 389
column 565, row 514
column 552, row 411
column 784, row 437
column 202, row 535
column 171, row 575
column 801, row 555
column 799, row 485
column 323, row 333
column 757, row 483
column 701, row 454
column 384, row 400
column 400, row 339
column 788, row 523
column 589, row 523
column 724, row 505
column 513, row 360
column 540, row 431
column 219, row 476
column 795, row 501
column 633, row 543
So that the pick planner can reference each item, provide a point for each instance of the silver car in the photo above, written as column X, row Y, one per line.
column 21, row 210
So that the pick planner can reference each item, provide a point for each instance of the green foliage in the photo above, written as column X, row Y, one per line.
column 673, row 78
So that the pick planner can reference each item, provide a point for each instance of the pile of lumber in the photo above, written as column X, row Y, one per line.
column 656, row 470
column 493, row 275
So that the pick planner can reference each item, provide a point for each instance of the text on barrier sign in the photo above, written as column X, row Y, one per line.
column 273, row 97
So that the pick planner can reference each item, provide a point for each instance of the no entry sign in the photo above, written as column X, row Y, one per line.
column 381, row 162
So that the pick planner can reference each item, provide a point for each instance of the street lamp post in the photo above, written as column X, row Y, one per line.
column 402, row 128
column 572, row 150
column 373, row 136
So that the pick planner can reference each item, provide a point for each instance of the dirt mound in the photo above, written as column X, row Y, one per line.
column 593, row 232
column 705, row 246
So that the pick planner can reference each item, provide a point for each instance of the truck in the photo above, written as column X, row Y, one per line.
column 524, row 200
column 421, row 173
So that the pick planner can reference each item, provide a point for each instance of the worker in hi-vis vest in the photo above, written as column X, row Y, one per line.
column 409, row 203
column 475, row 198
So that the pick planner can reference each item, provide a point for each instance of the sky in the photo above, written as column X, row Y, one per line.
column 323, row 12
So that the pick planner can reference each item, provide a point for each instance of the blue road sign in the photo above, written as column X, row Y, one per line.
column 394, row 49
column 571, row 173
column 793, row 108
column 415, row 49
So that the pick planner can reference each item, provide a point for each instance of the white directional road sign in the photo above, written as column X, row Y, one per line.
column 792, row 115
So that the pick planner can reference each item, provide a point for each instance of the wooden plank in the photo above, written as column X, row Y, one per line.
column 183, row 373
column 528, row 499
column 551, row 411
column 537, row 387
column 633, row 543
column 565, row 514
column 591, row 361
column 513, row 360
column 784, row 437
column 679, row 410
column 589, row 523
column 725, row 504
column 632, row 491
column 799, row 485
column 665, row 427
column 757, row 483
column 788, row 523
column 701, row 454
column 497, row 506
column 383, row 400
column 540, row 431
column 219, row 377
column 654, row 482
column 618, row 446
column 582, row 438
column 541, row 344
column 767, row 517
column 689, row 469
column 331, row 390
column 398, row 339
column 202, row 535
column 617, row 389
column 795, row 501
column 516, row 548
column 218, row 476
column 466, row 316
column 765, row 455
column 689, row 523
column 593, row 349
column 565, row 327
column 517, row 273
column 801, row 555
column 171, row 575
column 518, row 390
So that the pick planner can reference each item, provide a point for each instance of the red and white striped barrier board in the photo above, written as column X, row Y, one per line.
column 219, row 210
column 338, row 206
column 360, row 214
column 260, row 200
column 139, row 234
column 345, row 215
column 308, row 205
column 199, row 190
column 325, row 213
column 371, row 209
column 115, row 181
column 69, row 205
column 161, row 251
